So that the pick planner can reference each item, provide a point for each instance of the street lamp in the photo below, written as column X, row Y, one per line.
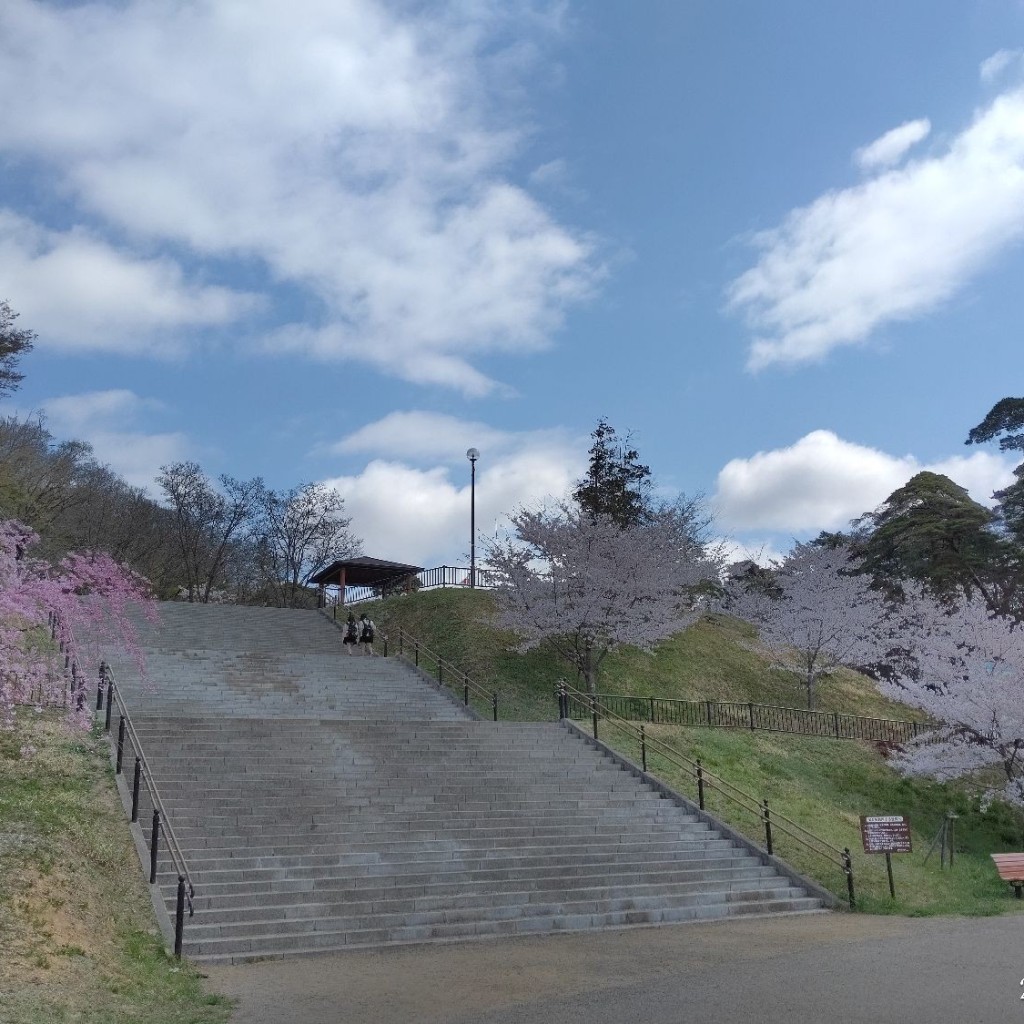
column 472, row 455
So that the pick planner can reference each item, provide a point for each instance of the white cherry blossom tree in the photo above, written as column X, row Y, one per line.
column 586, row 585
column 813, row 612
column 966, row 670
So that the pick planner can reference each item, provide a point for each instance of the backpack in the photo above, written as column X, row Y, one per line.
column 350, row 631
column 367, row 632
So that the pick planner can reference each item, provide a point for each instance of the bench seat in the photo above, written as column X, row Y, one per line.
column 1011, row 869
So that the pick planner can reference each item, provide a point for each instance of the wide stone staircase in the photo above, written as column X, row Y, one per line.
column 327, row 802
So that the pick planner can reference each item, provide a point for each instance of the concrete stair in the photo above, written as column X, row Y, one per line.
column 326, row 801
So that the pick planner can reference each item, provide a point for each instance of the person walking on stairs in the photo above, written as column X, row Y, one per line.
column 366, row 632
column 351, row 633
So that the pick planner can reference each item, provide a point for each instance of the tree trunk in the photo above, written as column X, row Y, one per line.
column 590, row 671
column 810, row 691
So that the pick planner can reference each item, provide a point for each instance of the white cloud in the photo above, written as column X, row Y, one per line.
column 99, row 418
column 992, row 67
column 891, row 248
column 822, row 482
column 352, row 151
column 422, row 515
column 79, row 292
column 416, row 434
column 893, row 145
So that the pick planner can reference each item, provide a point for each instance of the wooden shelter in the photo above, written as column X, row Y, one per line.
column 362, row 571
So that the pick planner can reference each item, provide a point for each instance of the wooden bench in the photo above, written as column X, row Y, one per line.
column 1011, row 869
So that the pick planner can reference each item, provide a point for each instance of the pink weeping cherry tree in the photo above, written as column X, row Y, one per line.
column 86, row 598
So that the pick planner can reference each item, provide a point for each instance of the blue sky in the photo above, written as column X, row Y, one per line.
column 344, row 241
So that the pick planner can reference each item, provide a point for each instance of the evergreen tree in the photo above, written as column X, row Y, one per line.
column 12, row 345
column 617, row 485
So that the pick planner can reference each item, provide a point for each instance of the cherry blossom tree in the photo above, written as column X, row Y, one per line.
column 813, row 611
column 966, row 670
column 85, row 598
column 586, row 585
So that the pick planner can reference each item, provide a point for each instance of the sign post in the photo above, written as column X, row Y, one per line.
column 888, row 834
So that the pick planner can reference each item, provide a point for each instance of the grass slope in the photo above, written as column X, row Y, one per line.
column 77, row 930
column 825, row 785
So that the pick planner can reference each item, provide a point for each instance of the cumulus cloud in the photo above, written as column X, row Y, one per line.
column 355, row 152
column 79, row 292
column 417, row 434
column 421, row 515
column 100, row 418
column 891, row 248
column 822, row 482
column 893, row 145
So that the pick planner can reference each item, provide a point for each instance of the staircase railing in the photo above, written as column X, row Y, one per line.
column 142, row 776
column 414, row 650
column 705, row 780
column 746, row 715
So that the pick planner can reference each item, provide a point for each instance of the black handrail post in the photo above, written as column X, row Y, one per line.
column 848, row 868
column 593, row 713
column 563, row 701
column 120, row 744
column 154, row 846
column 416, row 648
column 750, row 705
column 385, row 646
column 643, row 748
column 768, row 827
column 135, row 789
column 465, row 691
column 99, row 686
column 179, row 917
column 700, row 784
column 110, row 703
column 494, row 704
column 439, row 672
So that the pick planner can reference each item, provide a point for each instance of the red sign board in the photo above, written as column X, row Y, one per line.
column 886, row 833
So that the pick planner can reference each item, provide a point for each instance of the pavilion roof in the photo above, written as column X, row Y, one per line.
column 363, row 571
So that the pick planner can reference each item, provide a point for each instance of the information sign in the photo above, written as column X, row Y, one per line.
column 885, row 833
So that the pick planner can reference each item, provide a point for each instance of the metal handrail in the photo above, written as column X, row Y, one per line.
column 704, row 778
column 728, row 715
column 161, row 820
column 468, row 685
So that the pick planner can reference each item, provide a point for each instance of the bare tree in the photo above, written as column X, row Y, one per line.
column 813, row 612
column 207, row 521
column 586, row 585
column 301, row 531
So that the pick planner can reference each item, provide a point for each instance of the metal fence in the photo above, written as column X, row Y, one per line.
column 746, row 715
column 428, row 579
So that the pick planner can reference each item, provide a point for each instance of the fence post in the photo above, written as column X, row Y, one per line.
column 848, row 868
column 768, row 827
column 593, row 713
column 135, row 789
column 416, row 647
column 835, row 722
column 110, row 703
column 99, row 686
column 652, row 711
column 643, row 748
column 179, row 917
column 120, row 744
column 465, row 688
column 700, row 784
column 494, row 704
column 750, row 707
column 563, row 701
column 154, row 846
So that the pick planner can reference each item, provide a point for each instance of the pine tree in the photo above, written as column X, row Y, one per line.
column 617, row 485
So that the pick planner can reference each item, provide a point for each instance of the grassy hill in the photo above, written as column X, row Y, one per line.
column 825, row 785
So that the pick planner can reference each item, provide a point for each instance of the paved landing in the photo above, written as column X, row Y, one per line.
column 796, row 970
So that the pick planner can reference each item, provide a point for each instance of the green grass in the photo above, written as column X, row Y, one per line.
column 77, row 930
column 824, row 785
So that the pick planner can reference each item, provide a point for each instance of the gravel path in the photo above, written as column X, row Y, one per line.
column 797, row 970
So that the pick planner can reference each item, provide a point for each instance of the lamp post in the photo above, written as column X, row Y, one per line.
column 472, row 455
